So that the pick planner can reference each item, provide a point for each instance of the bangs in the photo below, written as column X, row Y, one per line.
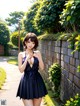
column 32, row 37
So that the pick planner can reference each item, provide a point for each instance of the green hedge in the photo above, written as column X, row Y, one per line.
column 2, row 76
column 52, row 36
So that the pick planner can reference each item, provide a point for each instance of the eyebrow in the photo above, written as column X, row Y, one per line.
column 29, row 40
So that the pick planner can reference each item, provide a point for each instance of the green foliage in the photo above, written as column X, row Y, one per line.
column 11, row 46
column 2, row 76
column 78, row 68
column 28, row 22
column 74, row 42
column 71, row 40
column 15, row 37
column 55, row 75
column 4, row 33
column 70, row 16
column 47, row 17
column 49, row 36
column 77, row 43
column 14, row 18
column 73, row 101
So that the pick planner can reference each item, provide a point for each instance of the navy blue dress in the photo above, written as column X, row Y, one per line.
column 31, row 84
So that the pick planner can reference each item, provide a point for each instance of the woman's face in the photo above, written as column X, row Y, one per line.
column 30, row 45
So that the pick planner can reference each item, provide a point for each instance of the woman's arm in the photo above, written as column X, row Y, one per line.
column 41, row 64
column 20, row 65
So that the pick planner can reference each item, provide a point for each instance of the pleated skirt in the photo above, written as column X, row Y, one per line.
column 31, row 87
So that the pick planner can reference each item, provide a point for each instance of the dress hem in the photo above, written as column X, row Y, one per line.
column 32, row 97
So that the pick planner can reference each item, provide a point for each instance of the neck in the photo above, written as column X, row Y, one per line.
column 29, row 51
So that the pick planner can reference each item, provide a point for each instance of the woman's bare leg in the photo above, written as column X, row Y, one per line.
column 37, row 102
column 27, row 102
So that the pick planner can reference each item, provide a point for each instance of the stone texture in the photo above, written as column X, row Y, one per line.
column 13, row 52
column 76, row 90
column 72, row 69
column 70, row 53
column 79, row 55
column 64, row 44
column 57, row 49
column 58, row 56
column 66, row 59
column 70, row 80
column 62, row 56
column 77, row 62
column 62, row 64
column 71, row 76
column 65, row 73
column 67, row 66
column 76, row 55
column 77, row 73
column 77, row 81
column 64, row 51
column 72, row 61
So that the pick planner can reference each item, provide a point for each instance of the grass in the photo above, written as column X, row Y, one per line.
column 2, row 77
column 13, row 60
column 50, row 99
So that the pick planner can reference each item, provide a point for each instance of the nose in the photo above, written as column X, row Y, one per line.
column 31, row 44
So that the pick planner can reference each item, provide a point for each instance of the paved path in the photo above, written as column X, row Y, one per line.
column 9, row 90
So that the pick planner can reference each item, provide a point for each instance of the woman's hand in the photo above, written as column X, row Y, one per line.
column 29, row 56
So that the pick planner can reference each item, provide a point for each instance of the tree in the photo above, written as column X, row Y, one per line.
column 14, row 19
column 28, row 22
column 70, row 17
column 4, row 33
column 4, row 36
column 47, row 17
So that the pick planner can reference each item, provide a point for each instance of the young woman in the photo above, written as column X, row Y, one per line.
column 31, row 87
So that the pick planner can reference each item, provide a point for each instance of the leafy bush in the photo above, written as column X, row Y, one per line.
column 11, row 46
column 2, row 76
column 49, row 36
column 78, row 68
column 47, row 17
column 71, row 40
column 70, row 15
column 15, row 36
column 73, row 101
column 55, row 75
column 77, row 43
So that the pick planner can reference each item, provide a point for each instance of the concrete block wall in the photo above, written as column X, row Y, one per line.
column 58, row 51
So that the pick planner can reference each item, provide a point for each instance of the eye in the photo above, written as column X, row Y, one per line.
column 33, row 43
column 28, row 41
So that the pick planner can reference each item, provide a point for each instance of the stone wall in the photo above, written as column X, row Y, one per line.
column 58, row 51
column 13, row 52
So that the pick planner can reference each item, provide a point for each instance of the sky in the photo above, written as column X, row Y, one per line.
column 7, row 6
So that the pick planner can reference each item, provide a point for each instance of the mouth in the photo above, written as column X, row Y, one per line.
column 30, row 47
